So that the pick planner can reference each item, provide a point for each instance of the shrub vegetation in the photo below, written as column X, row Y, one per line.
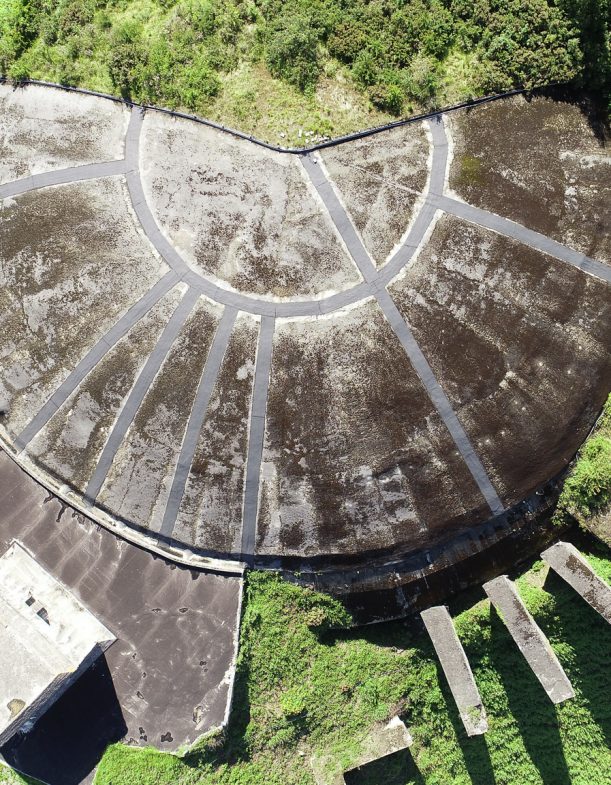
column 378, row 57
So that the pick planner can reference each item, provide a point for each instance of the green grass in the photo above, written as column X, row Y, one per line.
column 587, row 490
column 306, row 692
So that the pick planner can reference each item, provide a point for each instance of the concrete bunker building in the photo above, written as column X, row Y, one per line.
column 47, row 640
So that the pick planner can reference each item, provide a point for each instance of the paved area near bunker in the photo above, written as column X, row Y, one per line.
column 170, row 672
column 246, row 355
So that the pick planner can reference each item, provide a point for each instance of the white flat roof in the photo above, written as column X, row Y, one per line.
column 45, row 633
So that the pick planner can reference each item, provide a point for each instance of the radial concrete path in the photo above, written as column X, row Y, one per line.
column 372, row 286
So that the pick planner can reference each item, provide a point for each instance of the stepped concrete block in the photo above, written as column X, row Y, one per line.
column 453, row 659
column 570, row 565
column 530, row 639
column 381, row 742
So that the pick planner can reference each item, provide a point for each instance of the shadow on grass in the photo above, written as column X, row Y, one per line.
column 529, row 704
column 474, row 748
column 396, row 769
column 589, row 635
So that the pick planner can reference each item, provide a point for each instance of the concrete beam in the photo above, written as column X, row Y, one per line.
column 530, row 639
column 570, row 565
column 453, row 659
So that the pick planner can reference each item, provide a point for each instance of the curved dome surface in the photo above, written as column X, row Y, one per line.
column 255, row 355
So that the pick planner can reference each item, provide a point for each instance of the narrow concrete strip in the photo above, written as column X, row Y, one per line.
column 527, row 236
column 530, row 639
column 340, row 218
column 440, row 400
column 440, row 155
column 138, row 391
column 196, row 419
column 256, row 436
column 71, row 174
column 453, row 659
column 93, row 357
column 570, row 565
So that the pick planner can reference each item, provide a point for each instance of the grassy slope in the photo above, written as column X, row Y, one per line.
column 302, row 692
column 337, row 65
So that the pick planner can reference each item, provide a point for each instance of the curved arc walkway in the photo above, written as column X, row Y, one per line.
column 373, row 285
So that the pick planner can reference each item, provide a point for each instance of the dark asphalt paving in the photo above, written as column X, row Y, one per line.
column 164, row 682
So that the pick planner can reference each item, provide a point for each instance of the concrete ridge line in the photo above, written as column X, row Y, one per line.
column 340, row 217
column 93, row 357
column 183, row 556
column 70, row 174
column 256, row 436
column 530, row 638
column 456, row 668
column 440, row 400
column 137, row 393
column 516, row 231
column 207, row 382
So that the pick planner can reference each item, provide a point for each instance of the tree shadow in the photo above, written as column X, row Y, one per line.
column 530, row 706
column 397, row 769
column 67, row 742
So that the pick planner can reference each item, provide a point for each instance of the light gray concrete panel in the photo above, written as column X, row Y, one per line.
column 453, row 659
column 196, row 419
column 139, row 390
column 571, row 566
column 530, row 639
column 440, row 401
column 257, row 435
column 92, row 358
column 527, row 236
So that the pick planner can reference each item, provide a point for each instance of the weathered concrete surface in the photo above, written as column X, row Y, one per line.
column 529, row 638
column 381, row 180
column 565, row 559
column 211, row 508
column 518, row 341
column 72, row 261
column 172, row 663
column 453, row 659
column 358, row 460
column 240, row 214
column 42, row 130
column 539, row 163
column 379, row 418
column 139, row 480
column 70, row 445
